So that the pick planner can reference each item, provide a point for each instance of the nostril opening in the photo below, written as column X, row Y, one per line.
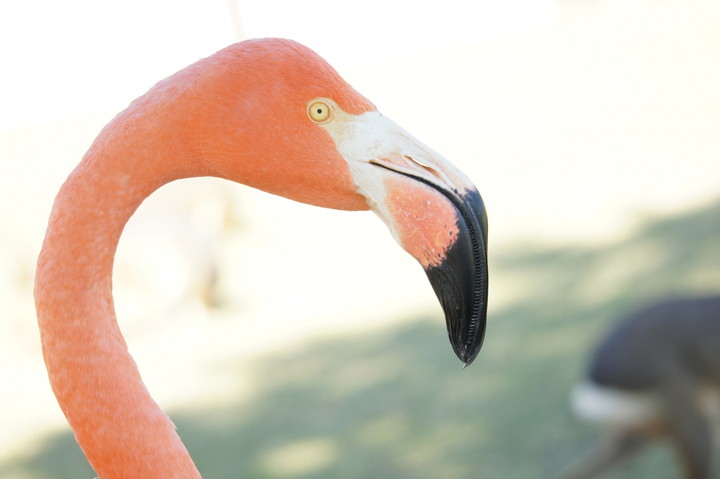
column 420, row 163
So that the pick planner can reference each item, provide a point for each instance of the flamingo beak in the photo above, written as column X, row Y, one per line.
column 431, row 208
column 458, row 270
column 460, row 281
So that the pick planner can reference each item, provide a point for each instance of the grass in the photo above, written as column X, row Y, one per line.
column 393, row 403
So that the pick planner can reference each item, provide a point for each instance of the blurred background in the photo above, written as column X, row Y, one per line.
column 287, row 341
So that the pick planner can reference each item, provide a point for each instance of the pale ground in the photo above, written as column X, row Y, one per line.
column 573, row 131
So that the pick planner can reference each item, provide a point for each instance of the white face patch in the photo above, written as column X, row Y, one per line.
column 361, row 139
column 372, row 137
column 370, row 140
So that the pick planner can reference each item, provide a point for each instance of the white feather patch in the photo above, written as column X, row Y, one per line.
column 613, row 407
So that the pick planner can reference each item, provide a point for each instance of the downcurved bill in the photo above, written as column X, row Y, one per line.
column 445, row 229
column 431, row 208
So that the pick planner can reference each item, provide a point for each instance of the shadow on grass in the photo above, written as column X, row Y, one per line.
column 394, row 403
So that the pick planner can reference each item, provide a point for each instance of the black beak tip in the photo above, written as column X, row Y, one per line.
column 460, row 281
column 466, row 341
column 468, row 354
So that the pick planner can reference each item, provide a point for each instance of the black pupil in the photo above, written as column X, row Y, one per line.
column 319, row 111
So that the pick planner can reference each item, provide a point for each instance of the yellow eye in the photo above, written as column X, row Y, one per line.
column 320, row 111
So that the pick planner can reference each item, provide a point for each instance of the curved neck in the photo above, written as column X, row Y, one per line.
column 122, row 431
column 239, row 114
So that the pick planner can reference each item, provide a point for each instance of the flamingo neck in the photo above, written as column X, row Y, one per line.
column 240, row 114
column 120, row 428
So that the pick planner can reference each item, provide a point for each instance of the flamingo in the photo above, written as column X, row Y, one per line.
column 271, row 114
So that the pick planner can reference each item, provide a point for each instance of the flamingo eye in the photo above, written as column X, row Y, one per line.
column 320, row 111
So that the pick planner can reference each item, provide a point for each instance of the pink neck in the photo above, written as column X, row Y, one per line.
column 122, row 431
column 239, row 114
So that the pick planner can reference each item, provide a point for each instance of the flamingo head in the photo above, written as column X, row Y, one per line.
column 272, row 114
